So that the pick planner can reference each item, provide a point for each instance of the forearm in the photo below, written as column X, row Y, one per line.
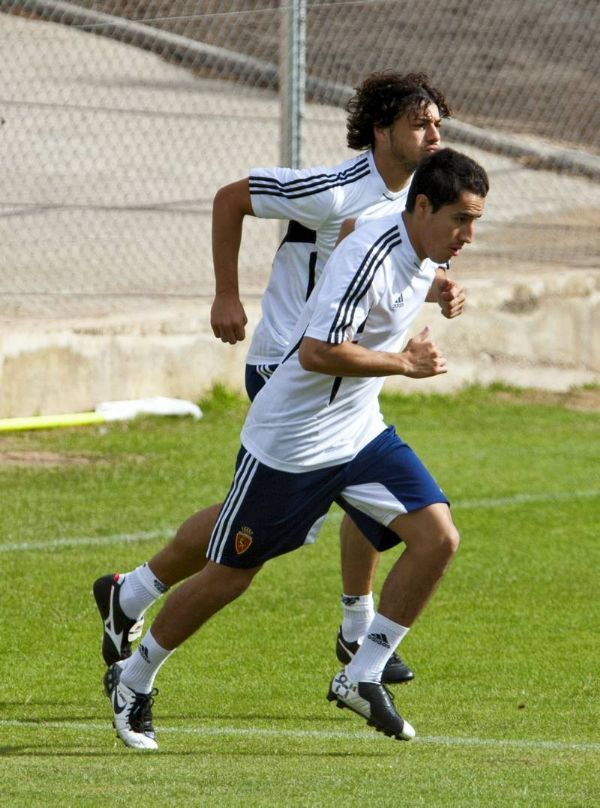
column 349, row 359
column 230, row 206
column 227, row 316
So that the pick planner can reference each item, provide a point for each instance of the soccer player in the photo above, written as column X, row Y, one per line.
column 315, row 435
column 394, row 122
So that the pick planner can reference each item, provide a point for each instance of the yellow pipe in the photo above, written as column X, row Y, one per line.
column 51, row 421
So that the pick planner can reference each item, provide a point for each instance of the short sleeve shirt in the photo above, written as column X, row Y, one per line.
column 371, row 290
column 318, row 200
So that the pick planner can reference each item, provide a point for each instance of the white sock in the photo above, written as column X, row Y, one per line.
column 139, row 590
column 359, row 611
column 380, row 643
column 139, row 671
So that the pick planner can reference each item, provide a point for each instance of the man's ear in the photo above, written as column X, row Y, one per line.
column 422, row 205
column 379, row 134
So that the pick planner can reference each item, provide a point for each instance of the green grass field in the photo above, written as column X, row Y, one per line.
column 505, row 700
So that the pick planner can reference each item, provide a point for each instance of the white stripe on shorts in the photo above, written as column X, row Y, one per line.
column 312, row 534
column 375, row 500
column 264, row 371
column 241, row 482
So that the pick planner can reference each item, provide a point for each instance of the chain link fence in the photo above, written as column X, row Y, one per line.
column 120, row 120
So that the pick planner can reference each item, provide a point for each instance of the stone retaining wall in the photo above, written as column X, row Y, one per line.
column 541, row 332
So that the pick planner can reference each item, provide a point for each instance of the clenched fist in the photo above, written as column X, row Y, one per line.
column 451, row 299
column 228, row 319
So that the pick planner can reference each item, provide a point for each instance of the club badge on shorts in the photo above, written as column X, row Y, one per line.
column 243, row 540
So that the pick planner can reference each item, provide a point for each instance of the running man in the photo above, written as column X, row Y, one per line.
column 316, row 436
column 394, row 122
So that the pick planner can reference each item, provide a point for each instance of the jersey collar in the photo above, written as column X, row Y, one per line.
column 385, row 191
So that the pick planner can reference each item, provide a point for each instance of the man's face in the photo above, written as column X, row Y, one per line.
column 411, row 137
column 444, row 233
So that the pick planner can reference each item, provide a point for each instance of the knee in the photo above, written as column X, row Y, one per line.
column 446, row 542
column 451, row 540
column 228, row 582
column 353, row 539
column 441, row 542
column 240, row 582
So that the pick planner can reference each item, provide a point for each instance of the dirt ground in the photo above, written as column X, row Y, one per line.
column 11, row 455
column 582, row 399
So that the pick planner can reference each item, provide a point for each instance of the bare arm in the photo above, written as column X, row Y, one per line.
column 419, row 359
column 231, row 204
column 448, row 295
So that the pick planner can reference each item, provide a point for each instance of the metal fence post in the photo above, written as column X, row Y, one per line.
column 292, row 72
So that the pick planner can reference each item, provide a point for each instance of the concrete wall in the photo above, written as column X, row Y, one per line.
column 543, row 331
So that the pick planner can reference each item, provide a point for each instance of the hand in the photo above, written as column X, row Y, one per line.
column 451, row 299
column 422, row 357
column 228, row 318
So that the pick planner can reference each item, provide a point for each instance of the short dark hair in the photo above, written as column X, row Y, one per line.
column 383, row 97
column 443, row 176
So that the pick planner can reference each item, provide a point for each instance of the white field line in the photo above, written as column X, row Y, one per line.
column 167, row 533
column 82, row 541
column 254, row 732
column 523, row 499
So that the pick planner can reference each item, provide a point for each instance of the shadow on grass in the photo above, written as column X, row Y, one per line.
column 60, row 718
column 187, row 718
column 27, row 704
column 41, row 751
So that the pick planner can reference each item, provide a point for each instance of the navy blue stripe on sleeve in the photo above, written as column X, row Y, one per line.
column 307, row 186
column 360, row 283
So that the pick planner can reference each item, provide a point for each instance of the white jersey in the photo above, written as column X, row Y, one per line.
column 384, row 207
column 316, row 201
column 371, row 290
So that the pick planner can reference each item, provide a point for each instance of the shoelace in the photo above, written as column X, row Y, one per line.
column 390, row 694
column 140, row 717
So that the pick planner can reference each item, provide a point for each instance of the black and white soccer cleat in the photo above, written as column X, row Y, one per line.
column 395, row 672
column 372, row 701
column 132, row 712
column 119, row 631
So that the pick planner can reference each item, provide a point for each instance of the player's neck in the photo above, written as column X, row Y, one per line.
column 396, row 175
column 413, row 234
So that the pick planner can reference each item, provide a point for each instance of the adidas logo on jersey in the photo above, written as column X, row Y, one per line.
column 380, row 639
column 398, row 302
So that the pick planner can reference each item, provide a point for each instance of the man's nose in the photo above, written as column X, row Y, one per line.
column 466, row 233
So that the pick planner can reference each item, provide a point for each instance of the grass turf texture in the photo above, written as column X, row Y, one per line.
column 505, row 700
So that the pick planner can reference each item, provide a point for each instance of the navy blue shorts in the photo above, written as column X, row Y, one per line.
column 268, row 512
column 256, row 378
